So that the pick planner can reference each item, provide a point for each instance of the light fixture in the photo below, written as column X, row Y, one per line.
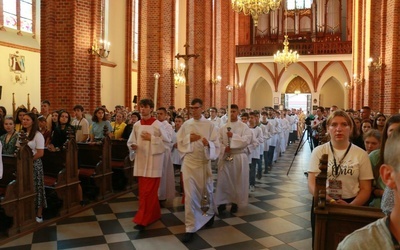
column 375, row 66
column 286, row 57
column 216, row 80
column 348, row 86
column 103, row 51
column 255, row 8
column 354, row 81
column 179, row 75
column 297, row 92
column 357, row 80
column 237, row 85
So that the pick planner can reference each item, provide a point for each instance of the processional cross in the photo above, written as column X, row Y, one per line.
column 186, row 57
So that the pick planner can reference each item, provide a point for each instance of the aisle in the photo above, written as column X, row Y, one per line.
column 276, row 218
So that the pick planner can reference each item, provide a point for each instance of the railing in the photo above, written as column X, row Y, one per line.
column 302, row 48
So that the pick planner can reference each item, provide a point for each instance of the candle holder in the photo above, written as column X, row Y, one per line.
column 102, row 51
column 229, row 156
column 375, row 66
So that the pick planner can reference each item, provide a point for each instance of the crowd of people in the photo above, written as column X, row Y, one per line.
column 240, row 147
column 356, row 144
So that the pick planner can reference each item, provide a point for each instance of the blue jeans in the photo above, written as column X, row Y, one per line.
column 259, row 165
column 252, row 175
column 271, row 155
column 266, row 161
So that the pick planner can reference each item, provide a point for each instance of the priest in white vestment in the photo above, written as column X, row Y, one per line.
column 198, row 141
column 233, row 176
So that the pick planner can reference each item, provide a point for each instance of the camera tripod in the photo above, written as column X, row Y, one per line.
column 307, row 130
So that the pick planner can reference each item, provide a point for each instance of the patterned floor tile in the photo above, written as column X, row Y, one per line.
column 277, row 217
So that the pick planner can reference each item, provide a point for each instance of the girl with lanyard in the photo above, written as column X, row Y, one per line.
column 80, row 124
column 349, row 169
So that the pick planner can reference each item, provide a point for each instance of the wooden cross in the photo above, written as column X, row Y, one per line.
column 186, row 57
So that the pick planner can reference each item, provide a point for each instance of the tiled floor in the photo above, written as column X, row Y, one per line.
column 277, row 217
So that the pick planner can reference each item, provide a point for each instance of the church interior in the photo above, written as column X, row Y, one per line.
column 108, row 52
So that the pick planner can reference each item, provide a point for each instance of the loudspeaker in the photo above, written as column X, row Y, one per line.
column 134, row 98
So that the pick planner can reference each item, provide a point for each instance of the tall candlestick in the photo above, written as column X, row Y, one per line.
column 229, row 88
column 156, row 76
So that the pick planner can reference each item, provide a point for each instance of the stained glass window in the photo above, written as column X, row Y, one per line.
column 18, row 14
column 26, row 15
column 10, row 14
column 298, row 4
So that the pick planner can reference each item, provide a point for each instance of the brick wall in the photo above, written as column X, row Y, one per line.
column 381, row 91
column 69, row 75
column 391, row 90
column 199, row 37
column 156, row 36
column 226, row 53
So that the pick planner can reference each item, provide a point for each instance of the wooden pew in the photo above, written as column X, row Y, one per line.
column 19, row 194
column 9, row 195
column 334, row 222
column 72, row 174
column 121, row 165
column 95, row 167
column 61, row 174
column 55, row 179
column 26, row 190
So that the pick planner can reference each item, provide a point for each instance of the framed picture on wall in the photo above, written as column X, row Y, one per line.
column 276, row 100
column 16, row 62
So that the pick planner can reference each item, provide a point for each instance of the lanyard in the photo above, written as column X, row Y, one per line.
column 334, row 158
column 77, row 126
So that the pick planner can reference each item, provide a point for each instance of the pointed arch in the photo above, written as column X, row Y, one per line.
column 261, row 94
column 332, row 93
column 298, row 84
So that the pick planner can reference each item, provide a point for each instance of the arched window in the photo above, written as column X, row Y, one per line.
column 298, row 4
column 135, row 33
column 18, row 14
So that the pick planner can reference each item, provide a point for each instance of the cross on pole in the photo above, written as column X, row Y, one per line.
column 186, row 57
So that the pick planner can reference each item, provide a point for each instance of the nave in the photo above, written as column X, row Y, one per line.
column 277, row 217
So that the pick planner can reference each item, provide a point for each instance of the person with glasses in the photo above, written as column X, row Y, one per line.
column 198, row 142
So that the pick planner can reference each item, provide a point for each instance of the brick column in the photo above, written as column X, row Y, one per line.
column 156, row 52
column 69, row 75
column 381, row 92
column 128, row 54
column 358, row 18
column 226, row 53
column 390, row 76
column 199, row 37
